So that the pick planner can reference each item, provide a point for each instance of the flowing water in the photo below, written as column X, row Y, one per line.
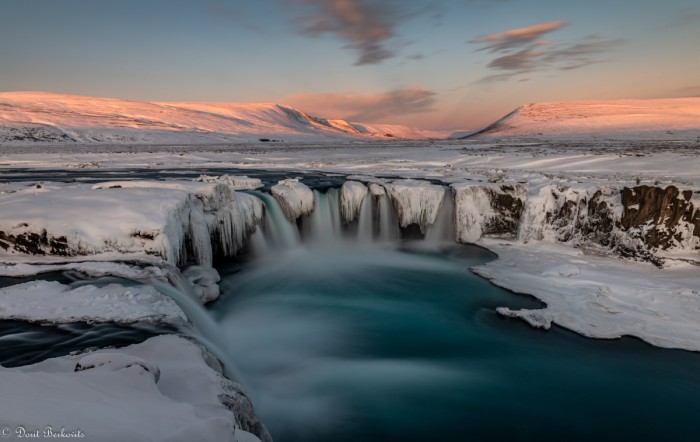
column 344, row 339
column 345, row 333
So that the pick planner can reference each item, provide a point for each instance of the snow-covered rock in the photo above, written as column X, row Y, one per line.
column 643, row 222
column 235, row 182
column 295, row 198
column 487, row 209
column 115, row 361
column 416, row 202
column 376, row 190
column 137, row 217
column 204, row 281
column 351, row 195
column 160, row 390
column 51, row 301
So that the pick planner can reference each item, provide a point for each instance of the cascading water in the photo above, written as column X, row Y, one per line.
column 388, row 224
column 282, row 234
column 443, row 230
column 365, row 227
column 320, row 225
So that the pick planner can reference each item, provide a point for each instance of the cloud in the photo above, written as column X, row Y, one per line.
column 522, row 61
column 516, row 38
column 364, row 25
column 580, row 54
column 522, row 51
column 366, row 108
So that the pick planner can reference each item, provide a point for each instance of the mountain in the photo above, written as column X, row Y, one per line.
column 659, row 119
column 38, row 117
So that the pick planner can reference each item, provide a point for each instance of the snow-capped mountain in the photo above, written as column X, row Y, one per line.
column 38, row 117
column 658, row 119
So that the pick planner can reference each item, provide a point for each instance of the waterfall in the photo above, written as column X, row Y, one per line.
column 334, row 207
column 377, row 220
column 320, row 222
column 388, row 224
column 365, row 229
column 282, row 232
column 258, row 243
column 443, row 229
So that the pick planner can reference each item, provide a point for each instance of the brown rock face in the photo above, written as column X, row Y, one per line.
column 659, row 211
column 34, row 243
column 508, row 204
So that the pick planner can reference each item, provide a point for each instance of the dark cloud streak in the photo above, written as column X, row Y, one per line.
column 365, row 25
column 522, row 51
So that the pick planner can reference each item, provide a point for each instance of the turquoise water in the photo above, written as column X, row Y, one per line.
column 373, row 343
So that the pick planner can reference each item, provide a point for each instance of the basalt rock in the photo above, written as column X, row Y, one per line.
column 663, row 218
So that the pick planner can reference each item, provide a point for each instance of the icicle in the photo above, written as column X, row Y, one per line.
column 199, row 234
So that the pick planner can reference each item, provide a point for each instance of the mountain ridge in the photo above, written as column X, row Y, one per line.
column 663, row 118
column 44, row 117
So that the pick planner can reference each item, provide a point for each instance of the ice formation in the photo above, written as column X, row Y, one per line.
column 204, row 281
column 487, row 210
column 295, row 198
column 134, row 217
column 351, row 195
column 416, row 202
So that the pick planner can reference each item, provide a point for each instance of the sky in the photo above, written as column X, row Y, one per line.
column 430, row 64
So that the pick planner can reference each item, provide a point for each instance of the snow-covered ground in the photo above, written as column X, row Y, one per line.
column 162, row 389
column 600, row 297
column 37, row 117
column 53, row 302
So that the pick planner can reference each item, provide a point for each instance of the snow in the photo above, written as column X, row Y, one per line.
column 600, row 297
column 204, row 280
column 377, row 190
column 474, row 208
column 38, row 117
column 660, row 119
column 352, row 194
column 11, row 266
column 416, row 202
column 295, row 198
column 51, row 301
column 159, row 390
column 129, row 217
column 234, row 182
